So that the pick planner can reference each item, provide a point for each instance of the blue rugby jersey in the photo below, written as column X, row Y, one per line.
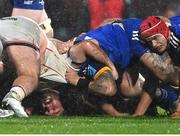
column 121, row 44
column 175, row 31
column 29, row 4
column 131, row 27
column 174, row 42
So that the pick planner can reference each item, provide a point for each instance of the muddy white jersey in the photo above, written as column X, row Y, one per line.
column 55, row 64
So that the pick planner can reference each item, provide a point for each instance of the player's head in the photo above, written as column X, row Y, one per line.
column 155, row 33
column 51, row 103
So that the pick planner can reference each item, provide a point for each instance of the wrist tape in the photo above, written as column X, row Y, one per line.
column 83, row 83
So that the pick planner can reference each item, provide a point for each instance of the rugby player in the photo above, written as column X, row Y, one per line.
column 20, row 38
column 162, row 34
column 33, row 9
column 50, row 52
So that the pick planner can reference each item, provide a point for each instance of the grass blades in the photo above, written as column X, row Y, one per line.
column 89, row 125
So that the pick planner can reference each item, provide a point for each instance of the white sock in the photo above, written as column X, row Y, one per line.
column 17, row 92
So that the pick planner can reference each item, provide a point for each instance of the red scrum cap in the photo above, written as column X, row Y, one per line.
column 153, row 25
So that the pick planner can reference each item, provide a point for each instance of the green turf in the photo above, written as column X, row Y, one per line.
column 89, row 125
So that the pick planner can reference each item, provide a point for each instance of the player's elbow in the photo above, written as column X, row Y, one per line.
column 109, row 88
column 173, row 76
column 173, row 79
column 110, row 91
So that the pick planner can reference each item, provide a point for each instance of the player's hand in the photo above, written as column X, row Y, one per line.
column 175, row 115
column 72, row 77
column 62, row 47
column 123, row 114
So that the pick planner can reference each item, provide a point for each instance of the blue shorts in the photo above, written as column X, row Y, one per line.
column 29, row 4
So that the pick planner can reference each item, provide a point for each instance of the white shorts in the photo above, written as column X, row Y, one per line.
column 19, row 30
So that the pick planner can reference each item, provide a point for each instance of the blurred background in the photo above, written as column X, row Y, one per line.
column 72, row 17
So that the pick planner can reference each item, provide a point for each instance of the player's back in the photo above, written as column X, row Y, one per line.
column 131, row 27
column 175, row 25
column 113, row 40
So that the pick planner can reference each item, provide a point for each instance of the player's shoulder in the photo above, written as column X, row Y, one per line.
column 131, row 24
column 175, row 20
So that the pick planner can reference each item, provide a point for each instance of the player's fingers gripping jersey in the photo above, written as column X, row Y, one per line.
column 55, row 66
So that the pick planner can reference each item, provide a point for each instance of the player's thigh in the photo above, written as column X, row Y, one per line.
column 128, row 87
column 25, row 59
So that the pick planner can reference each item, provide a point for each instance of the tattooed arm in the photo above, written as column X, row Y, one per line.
column 91, row 49
column 104, row 84
column 162, row 68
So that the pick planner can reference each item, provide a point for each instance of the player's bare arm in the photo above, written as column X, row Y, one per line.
column 111, row 110
column 163, row 70
column 143, row 105
column 104, row 84
column 90, row 49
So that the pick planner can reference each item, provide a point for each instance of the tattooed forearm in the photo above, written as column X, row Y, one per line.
column 162, row 68
column 104, row 84
column 93, row 50
column 160, row 64
column 166, row 58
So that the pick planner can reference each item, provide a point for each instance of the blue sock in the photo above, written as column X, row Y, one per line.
column 169, row 95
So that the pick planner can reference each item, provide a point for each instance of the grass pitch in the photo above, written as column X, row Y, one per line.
column 89, row 125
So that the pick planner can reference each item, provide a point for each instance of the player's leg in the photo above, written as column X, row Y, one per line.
column 22, row 47
column 35, row 10
column 131, row 85
column 27, row 66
